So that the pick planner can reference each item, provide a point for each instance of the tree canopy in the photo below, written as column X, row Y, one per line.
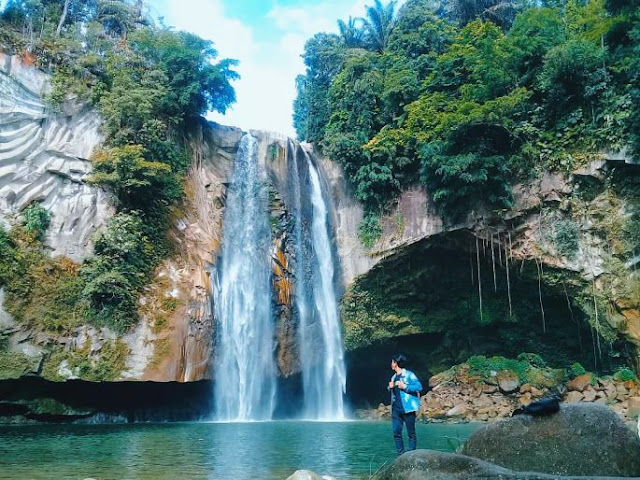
column 467, row 97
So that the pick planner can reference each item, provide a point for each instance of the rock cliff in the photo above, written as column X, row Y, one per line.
column 556, row 271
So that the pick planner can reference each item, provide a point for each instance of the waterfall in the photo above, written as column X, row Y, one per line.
column 245, row 372
column 321, row 351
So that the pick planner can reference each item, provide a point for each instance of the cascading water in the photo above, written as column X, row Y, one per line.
column 321, row 351
column 245, row 372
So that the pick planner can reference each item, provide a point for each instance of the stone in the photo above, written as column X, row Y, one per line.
column 305, row 475
column 574, row 397
column 458, row 411
column 581, row 439
column 432, row 465
column 508, row 381
column 634, row 407
column 589, row 395
column 580, row 383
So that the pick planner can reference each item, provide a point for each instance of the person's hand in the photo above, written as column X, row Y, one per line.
column 401, row 385
column 391, row 384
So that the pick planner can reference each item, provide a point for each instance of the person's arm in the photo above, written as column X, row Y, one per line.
column 413, row 384
column 391, row 382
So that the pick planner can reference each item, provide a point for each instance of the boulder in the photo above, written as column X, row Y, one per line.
column 580, row 383
column 581, row 439
column 458, row 411
column 432, row 465
column 574, row 397
column 508, row 381
column 308, row 475
column 634, row 407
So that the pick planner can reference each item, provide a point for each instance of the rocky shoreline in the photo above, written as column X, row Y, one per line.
column 470, row 399
column 580, row 441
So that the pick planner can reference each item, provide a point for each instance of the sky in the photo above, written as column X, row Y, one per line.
column 267, row 37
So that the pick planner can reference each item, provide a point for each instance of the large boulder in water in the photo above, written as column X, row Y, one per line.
column 432, row 465
column 581, row 439
column 308, row 475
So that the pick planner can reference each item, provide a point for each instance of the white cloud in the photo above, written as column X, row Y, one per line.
column 268, row 68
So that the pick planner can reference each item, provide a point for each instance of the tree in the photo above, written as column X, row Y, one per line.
column 379, row 24
column 324, row 55
column 352, row 35
column 500, row 12
column 63, row 17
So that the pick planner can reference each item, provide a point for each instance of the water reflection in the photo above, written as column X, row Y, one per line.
column 215, row 451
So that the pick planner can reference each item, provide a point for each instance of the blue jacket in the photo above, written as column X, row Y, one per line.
column 410, row 396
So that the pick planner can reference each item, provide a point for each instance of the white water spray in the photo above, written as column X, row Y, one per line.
column 245, row 373
column 321, row 351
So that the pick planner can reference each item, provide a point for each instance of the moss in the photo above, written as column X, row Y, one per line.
column 14, row 364
column 106, row 366
column 526, row 372
column 161, row 350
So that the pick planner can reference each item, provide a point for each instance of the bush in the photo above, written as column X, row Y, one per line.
column 370, row 230
column 624, row 375
column 36, row 220
column 576, row 370
column 566, row 238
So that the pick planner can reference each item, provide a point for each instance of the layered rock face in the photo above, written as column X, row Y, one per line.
column 44, row 157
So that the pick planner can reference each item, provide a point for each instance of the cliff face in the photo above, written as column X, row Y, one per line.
column 555, row 273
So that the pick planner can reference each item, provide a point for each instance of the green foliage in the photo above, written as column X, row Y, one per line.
column 567, row 238
column 468, row 107
column 624, row 375
column 576, row 370
column 536, row 375
column 148, row 82
column 105, row 366
column 370, row 230
column 36, row 220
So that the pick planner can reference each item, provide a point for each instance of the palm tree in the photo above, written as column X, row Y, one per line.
column 352, row 35
column 500, row 12
column 379, row 24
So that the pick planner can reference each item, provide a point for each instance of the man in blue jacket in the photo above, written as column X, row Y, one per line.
column 405, row 401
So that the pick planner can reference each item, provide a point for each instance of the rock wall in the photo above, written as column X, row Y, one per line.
column 44, row 157
column 602, row 260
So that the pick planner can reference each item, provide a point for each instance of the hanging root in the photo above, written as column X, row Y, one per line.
column 539, row 268
column 573, row 319
column 506, row 262
column 479, row 278
column 493, row 265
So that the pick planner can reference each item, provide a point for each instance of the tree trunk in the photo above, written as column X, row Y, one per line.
column 63, row 17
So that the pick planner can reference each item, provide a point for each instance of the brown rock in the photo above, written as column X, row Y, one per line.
column 489, row 389
column 458, row 411
column 573, row 397
column 580, row 383
column 536, row 392
column 525, row 388
column 589, row 395
column 634, row 407
column 508, row 381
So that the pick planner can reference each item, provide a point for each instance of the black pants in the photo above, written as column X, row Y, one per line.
column 398, row 417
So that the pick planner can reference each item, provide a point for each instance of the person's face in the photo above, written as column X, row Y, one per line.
column 393, row 364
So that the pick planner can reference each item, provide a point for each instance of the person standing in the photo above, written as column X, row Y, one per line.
column 405, row 402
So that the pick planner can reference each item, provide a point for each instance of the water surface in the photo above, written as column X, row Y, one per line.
column 217, row 451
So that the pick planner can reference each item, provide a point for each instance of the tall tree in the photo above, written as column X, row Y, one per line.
column 63, row 17
column 352, row 34
column 379, row 24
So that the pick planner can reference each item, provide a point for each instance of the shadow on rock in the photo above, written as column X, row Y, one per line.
column 581, row 439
